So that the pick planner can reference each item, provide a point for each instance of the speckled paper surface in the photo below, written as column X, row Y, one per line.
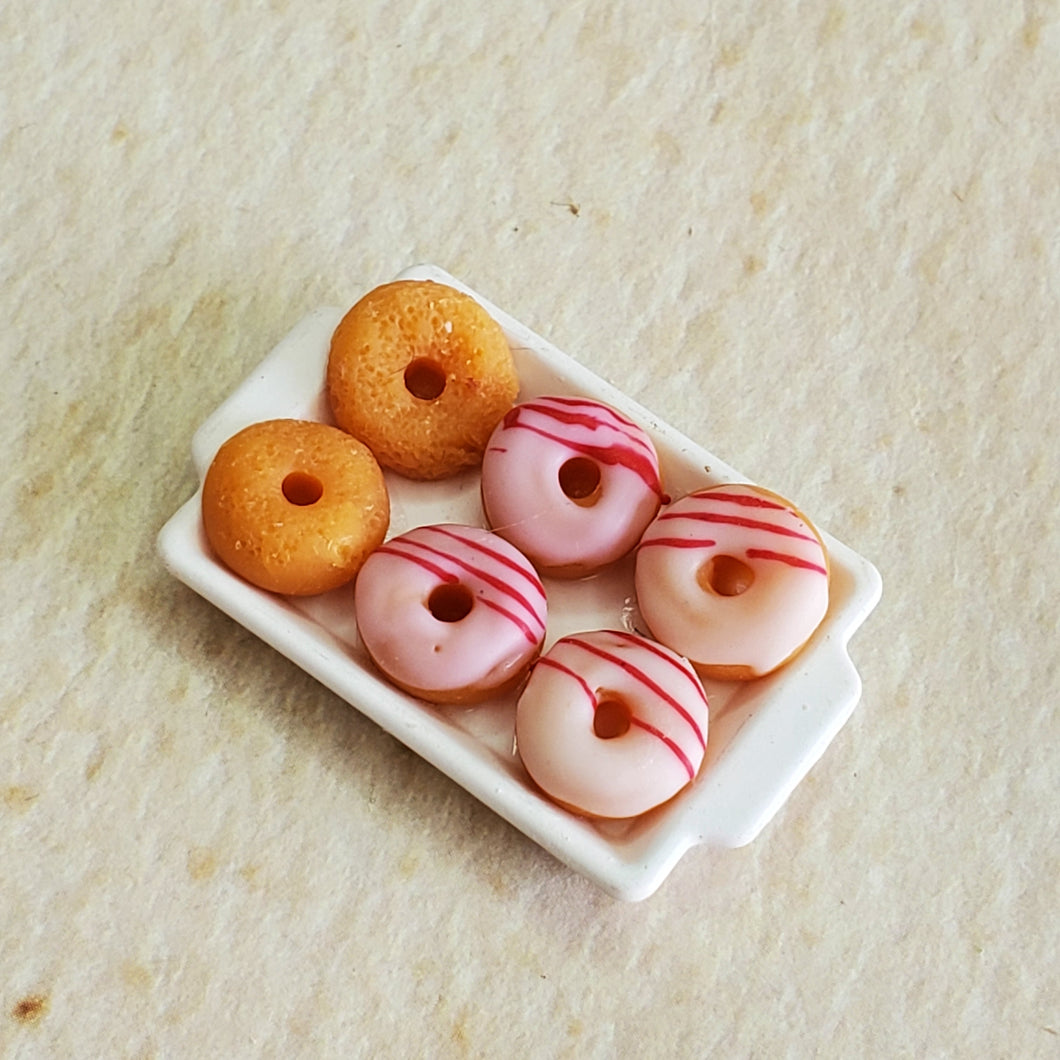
column 820, row 238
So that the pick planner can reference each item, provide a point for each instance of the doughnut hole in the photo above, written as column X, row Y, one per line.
column 450, row 602
column 302, row 489
column 725, row 576
column 579, row 478
column 424, row 378
column 612, row 717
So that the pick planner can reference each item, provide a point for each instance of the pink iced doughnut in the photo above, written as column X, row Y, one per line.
column 450, row 613
column 611, row 724
column 733, row 577
column 570, row 482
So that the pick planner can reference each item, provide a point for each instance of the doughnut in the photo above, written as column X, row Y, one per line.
column 294, row 506
column 611, row 724
column 450, row 613
column 571, row 483
column 421, row 373
column 734, row 578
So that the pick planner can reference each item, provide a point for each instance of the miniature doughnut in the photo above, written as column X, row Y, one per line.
column 611, row 724
column 450, row 613
column 421, row 373
column 571, row 483
column 733, row 577
column 294, row 506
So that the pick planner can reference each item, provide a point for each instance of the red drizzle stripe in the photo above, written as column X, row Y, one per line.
column 750, row 500
column 682, row 757
column 447, row 576
column 679, row 542
column 609, row 417
column 640, row 461
column 657, row 650
column 639, row 675
column 493, row 605
column 450, row 578
column 545, row 660
column 738, row 520
column 783, row 557
column 490, row 579
column 589, row 418
column 504, row 560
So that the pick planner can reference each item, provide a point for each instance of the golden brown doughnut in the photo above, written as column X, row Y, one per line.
column 294, row 506
column 421, row 373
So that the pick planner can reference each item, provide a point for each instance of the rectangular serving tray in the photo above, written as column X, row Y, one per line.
column 764, row 735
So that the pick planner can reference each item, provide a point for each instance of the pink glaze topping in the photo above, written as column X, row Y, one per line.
column 612, row 724
column 732, row 576
column 448, row 608
column 570, row 482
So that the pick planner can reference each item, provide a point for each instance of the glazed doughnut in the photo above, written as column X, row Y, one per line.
column 294, row 506
column 570, row 482
column 734, row 578
column 450, row 613
column 611, row 724
column 421, row 373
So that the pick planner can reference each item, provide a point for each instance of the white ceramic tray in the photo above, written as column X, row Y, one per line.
column 764, row 735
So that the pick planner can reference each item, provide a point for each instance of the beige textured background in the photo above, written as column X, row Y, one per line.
column 820, row 238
